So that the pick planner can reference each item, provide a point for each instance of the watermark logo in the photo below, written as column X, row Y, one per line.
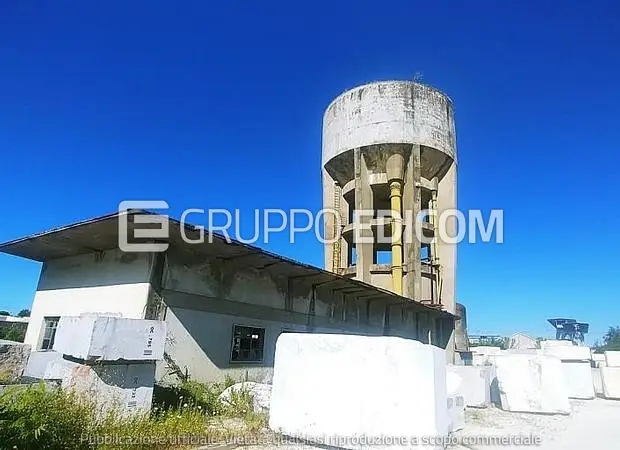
column 147, row 235
column 150, row 232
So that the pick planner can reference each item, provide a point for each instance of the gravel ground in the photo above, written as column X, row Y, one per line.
column 593, row 424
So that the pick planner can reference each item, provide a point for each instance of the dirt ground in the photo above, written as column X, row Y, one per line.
column 593, row 424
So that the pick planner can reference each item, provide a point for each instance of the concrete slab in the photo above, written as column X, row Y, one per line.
column 611, row 382
column 578, row 379
column 612, row 358
column 456, row 412
column 38, row 363
column 350, row 391
column 106, row 338
column 474, row 384
column 531, row 383
column 597, row 381
column 127, row 388
column 568, row 352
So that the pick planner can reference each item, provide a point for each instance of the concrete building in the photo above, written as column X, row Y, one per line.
column 224, row 303
column 389, row 149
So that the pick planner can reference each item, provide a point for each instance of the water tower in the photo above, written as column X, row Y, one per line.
column 391, row 145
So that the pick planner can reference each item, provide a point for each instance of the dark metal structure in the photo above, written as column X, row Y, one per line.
column 569, row 329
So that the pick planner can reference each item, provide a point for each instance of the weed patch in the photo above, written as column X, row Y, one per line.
column 42, row 418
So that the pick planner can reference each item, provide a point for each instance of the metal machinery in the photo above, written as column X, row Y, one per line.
column 569, row 330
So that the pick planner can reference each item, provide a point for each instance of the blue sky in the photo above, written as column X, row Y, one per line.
column 219, row 105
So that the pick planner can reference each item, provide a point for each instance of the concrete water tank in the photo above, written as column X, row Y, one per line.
column 391, row 145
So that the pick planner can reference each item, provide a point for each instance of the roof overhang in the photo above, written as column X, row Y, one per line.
column 102, row 233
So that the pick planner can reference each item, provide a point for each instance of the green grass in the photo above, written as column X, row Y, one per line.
column 204, row 396
column 40, row 418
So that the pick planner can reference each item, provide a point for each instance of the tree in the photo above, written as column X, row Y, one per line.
column 24, row 313
column 492, row 341
column 13, row 333
column 611, row 339
column 5, row 313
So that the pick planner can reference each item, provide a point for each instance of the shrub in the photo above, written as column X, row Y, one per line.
column 193, row 394
column 13, row 332
column 40, row 418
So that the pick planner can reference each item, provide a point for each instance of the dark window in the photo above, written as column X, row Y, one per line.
column 352, row 256
column 49, row 332
column 247, row 344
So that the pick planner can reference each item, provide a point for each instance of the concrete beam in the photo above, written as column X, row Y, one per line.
column 427, row 184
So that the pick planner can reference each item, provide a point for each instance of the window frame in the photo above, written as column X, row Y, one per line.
column 56, row 319
column 232, row 344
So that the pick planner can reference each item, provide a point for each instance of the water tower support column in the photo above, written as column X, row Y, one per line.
column 363, row 202
column 412, row 204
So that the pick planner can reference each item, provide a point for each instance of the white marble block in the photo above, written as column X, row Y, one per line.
column 92, row 337
column 611, row 382
column 568, row 352
column 39, row 362
column 612, row 358
column 597, row 381
column 479, row 359
column 456, row 412
column 125, row 388
column 578, row 379
column 487, row 350
column 555, row 343
column 453, row 382
column 523, row 351
column 599, row 359
column 483, row 355
column 531, row 383
column 349, row 391
column 474, row 384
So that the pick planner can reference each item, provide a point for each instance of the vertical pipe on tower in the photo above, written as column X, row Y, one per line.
column 395, row 171
column 434, row 216
column 397, row 239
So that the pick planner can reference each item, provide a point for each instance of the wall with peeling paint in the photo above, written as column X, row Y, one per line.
column 206, row 298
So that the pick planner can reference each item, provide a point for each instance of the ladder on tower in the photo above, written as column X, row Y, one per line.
column 337, row 247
